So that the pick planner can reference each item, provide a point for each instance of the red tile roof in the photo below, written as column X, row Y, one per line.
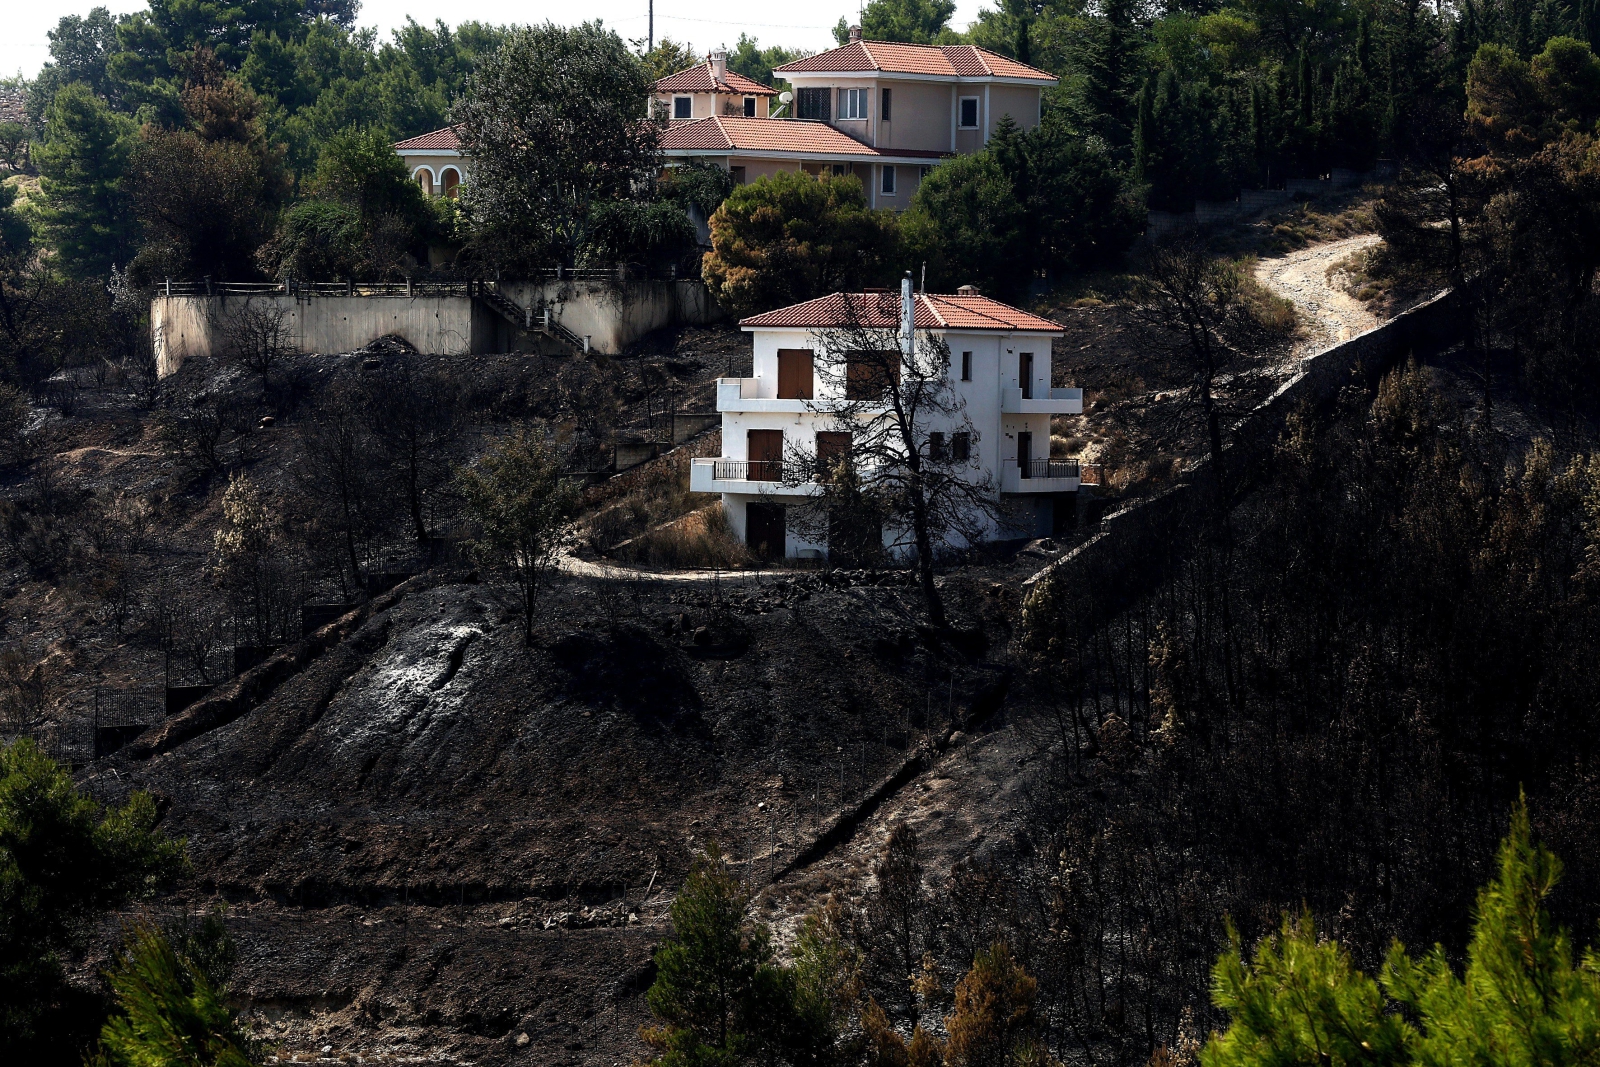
column 949, row 60
column 727, row 133
column 933, row 311
column 698, row 79
column 444, row 140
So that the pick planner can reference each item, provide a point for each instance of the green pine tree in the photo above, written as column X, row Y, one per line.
column 171, row 1013
column 87, row 214
column 1522, row 1000
column 718, row 993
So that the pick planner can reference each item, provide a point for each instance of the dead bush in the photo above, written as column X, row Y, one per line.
column 701, row 538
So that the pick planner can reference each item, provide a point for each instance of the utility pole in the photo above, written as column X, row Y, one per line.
column 650, row 33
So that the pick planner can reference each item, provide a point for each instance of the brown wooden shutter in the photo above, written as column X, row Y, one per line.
column 766, row 455
column 794, row 373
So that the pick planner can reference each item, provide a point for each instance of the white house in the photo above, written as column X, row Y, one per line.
column 999, row 368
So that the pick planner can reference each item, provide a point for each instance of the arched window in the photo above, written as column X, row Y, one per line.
column 451, row 180
column 424, row 179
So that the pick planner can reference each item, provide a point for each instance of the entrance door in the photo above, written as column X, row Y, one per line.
column 765, row 529
column 794, row 373
column 1025, row 455
column 1025, row 374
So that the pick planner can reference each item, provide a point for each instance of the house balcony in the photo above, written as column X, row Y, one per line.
column 1059, row 402
column 744, row 394
column 1040, row 476
column 744, row 476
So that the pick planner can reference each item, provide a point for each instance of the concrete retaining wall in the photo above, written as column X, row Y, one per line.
column 612, row 314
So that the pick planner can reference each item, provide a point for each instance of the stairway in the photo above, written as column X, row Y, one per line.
column 540, row 321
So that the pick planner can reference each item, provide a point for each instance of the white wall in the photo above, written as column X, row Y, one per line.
column 995, row 366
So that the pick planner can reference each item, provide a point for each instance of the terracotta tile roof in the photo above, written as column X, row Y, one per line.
column 950, row 61
column 934, row 311
column 698, row 79
column 444, row 140
column 727, row 133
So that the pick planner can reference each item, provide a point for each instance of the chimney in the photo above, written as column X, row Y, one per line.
column 908, row 317
column 855, row 33
column 719, row 66
column 967, row 290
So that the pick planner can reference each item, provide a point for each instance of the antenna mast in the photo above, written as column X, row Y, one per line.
column 650, row 40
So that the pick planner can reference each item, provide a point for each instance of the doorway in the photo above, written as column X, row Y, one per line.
column 1025, row 374
column 765, row 530
column 1025, row 455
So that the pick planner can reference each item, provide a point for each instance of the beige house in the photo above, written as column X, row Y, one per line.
column 943, row 98
column 435, row 161
column 710, row 88
column 883, row 111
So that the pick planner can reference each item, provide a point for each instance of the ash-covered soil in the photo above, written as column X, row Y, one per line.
column 435, row 840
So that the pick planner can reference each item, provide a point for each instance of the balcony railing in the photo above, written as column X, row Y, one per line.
column 749, row 470
column 1047, row 468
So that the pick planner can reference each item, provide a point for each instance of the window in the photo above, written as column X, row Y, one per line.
column 794, row 374
column 966, row 366
column 425, row 180
column 1025, row 374
column 883, row 113
column 853, row 103
column 936, row 447
column 749, row 107
column 868, row 375
column 888, row 181
column 813, row 104
column 841, row 170
column 960, row 447
column 737, row 174
column 969, row 113
column 683, row 107
column 923, row 172
column 451, row 181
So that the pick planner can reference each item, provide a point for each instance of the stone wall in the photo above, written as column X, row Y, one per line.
column 1137, row 538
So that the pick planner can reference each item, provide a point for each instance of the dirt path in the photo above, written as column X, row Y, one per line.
column 1330, row 314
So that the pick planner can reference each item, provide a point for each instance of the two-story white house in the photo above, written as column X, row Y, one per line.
column 999, row 370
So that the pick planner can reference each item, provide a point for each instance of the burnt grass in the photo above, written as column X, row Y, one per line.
column 434, row 840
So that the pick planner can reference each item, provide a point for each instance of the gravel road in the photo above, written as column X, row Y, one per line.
column 1330, row 315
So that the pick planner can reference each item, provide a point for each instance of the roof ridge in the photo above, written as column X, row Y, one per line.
column 870, row 57
column 933, row 309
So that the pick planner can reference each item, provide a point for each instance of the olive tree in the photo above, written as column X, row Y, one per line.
column 516, row 494
column 552, row 122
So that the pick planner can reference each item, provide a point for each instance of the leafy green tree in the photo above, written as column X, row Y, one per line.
column 1522, row 998
column 208, row 192
column 790, row 237
column 720, row 997
column 522, row 504
column 967, row 224
column 64, row 863
column 170, row 1010
column 82, row 164
column 912, row 21
column 756, row 63
column 365, row 217
column 668, row 57
column 552, row 123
